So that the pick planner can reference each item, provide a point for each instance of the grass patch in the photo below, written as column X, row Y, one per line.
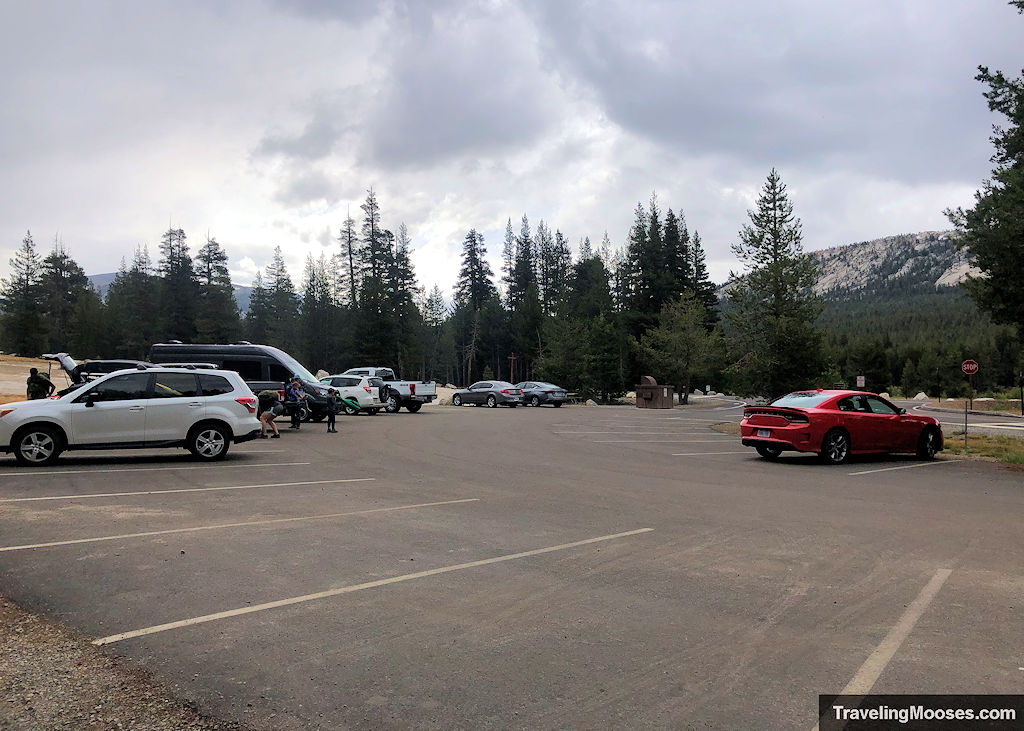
column 1009, row 450
column 727, row 427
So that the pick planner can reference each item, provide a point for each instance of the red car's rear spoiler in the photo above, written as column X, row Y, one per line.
column 789, row 414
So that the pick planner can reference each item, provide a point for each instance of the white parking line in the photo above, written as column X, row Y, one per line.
column 667, row 431
column 908, row 466
column 218, row 526
column 663, row 441
column 355, row 587
column 33, row 473
column 872, row 668
column 180, row 489
column 701, row 454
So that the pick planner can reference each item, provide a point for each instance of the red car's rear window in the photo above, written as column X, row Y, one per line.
column 802, row 399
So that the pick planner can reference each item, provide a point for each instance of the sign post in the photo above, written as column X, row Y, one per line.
column 970, row 367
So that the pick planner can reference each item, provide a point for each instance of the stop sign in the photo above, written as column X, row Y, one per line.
column 970, row 367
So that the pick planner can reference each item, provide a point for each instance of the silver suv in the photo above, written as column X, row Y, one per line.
column 142, row 407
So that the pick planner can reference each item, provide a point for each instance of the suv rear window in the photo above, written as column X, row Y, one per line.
column 214, row 385
column 803, row 399
column 375, row 382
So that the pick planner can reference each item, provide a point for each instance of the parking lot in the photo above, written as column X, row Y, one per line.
column 531, row 568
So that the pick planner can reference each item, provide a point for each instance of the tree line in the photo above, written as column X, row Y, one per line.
column 592, row 322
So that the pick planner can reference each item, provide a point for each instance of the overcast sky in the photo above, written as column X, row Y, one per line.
column 263, row 123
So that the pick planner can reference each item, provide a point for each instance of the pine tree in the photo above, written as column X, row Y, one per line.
column 544, row 263
column 993, row 230
column 216, row 311
column 134, row 302
column 315, row 321
column 508, row 257
column 404, row 291
column 776, row 345
column 63, row 282
column 351, row 256
column 523, row 274
column 474, row 286
column 282, row 303
column 179, row 289
column 703, row 289
column 586, row 250
column 22, row 300
column 89, row 328
column 257, row 319
column 677, row 255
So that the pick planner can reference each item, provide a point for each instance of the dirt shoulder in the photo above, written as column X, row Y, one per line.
column 50, row 678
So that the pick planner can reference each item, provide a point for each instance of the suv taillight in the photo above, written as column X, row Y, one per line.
column 248, row 402
column 367, row 389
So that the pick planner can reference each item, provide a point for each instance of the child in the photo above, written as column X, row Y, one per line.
column 332, row 410
column 295, row 396
column 267, row 403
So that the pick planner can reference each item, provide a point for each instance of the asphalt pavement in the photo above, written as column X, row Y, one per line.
column 526, row 568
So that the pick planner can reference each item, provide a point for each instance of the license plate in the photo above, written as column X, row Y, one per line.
column 764, row 433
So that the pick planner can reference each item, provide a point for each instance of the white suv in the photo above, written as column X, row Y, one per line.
column 201, row 410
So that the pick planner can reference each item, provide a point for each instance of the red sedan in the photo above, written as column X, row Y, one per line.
column 836, row 424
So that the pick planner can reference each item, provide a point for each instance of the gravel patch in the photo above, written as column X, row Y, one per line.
column 51, row 678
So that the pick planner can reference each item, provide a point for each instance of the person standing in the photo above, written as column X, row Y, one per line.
column 332, row 410
column 295, row 396
column 39, row 386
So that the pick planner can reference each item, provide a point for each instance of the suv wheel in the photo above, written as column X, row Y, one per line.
column 37, row 446
column 209, row 442
column 305, row 414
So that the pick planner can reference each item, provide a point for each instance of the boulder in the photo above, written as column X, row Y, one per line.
column 921, row 396
column 951, row 399
column 631, row 394
column 590, row 402
column 986, row 398
column 885, row 394
column 322, row 374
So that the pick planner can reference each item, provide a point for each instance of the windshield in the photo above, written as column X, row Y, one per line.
column 296, row 368
column 803, row 399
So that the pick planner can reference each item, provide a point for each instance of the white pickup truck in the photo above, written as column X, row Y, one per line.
column 410, row 394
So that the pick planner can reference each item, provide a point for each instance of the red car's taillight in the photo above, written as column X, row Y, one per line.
column 248, row 402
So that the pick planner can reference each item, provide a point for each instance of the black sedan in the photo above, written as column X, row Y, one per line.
column 492, row 393
column 536, row 393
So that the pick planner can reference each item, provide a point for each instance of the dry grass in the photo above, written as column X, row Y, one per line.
column 6, row 398
column 1009, row 450
column 727, row 427
column 1010, row 406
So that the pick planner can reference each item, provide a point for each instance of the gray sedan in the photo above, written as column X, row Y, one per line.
column 536, row 393
column 492, row 393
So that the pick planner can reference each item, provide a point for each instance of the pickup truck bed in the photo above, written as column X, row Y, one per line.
column 410, row 394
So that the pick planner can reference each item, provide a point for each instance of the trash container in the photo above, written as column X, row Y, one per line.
column 649, row 395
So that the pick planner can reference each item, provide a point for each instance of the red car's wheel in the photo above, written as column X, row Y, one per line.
column 835, row 447
column 928, row 444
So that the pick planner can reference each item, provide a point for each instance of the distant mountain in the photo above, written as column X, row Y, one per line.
column 102, row 283
column 907, row 263
column 904, row 264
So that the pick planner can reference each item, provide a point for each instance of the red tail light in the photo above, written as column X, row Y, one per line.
column 367, row 389
column 412, row 389
column 248, row 402
column 505, row 390
column 549, row 392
